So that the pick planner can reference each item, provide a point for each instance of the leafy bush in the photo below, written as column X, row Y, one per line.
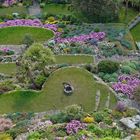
column 34, row 136
column 39, row 81
column 59, row 118
column 126, row 69
column 74, row 112
column 108, row 66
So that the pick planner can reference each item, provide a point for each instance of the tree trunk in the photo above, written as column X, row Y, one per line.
column 126, row 8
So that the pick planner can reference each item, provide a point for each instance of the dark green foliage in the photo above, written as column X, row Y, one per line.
column 108, row 66
column 101, row 10
column 40, row 79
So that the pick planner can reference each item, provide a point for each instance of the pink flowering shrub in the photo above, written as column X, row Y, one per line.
column 73, row 126
column 5, row 124
column 126, row 84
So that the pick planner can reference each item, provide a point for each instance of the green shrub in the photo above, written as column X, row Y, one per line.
column 39, row 81
column 34, row 136
column 73, row 112
column 126, row 69
column 42, row 5
column 108, row 66
column 96, row 30
column 59, row 118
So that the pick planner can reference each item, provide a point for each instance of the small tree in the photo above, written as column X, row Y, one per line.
column 28, row 40
column 34, row 59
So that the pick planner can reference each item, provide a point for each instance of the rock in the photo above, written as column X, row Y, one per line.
column 131, row 122
column 128, row 123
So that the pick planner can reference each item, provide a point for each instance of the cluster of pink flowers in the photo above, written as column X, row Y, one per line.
column 126, row 84
column 81, row 38
column 73, row 126
column 28, row 22
column 8, row 3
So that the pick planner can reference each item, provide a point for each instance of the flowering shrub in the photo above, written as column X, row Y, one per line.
column 5, row 124
column 126, row 84
column 73, row 126
column 6, row 51
column 8, row 3
column 88, row 119
column 121, row 107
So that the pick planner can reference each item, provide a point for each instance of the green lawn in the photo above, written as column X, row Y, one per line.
column 56, row 9
column 15, row 35
column 8, row 68
column 74, row 59
column 14, row 9
column 53, row 97
column 131, row 15
column 136, row 32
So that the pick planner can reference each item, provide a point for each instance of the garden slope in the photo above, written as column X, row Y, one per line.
column 15, row 35
column 53, row 97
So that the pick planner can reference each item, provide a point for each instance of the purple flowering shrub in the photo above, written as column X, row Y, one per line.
column 126, row 84
column 121, row 107
column 82, row 38
column 73, row 126
column 8, row 3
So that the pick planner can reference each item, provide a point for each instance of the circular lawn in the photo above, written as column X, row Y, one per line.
column 15, row 35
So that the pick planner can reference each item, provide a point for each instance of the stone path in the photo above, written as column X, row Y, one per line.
column 35, row 9
column 134, row 22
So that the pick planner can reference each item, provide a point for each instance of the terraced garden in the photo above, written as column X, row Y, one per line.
column 69, row 70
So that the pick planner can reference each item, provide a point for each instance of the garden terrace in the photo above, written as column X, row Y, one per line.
column 15, row 35
column 57, row 9
column 136, row 32
column 8, row 68
column 14, row 9
column 74, row 59
column 52, row 95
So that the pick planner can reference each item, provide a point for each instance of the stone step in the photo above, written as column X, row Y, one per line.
column 97, row 100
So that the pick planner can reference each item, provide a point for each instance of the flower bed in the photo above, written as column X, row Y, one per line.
column 53, row 27
column 126, row 84
column 28, row 22
column 82, row 38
